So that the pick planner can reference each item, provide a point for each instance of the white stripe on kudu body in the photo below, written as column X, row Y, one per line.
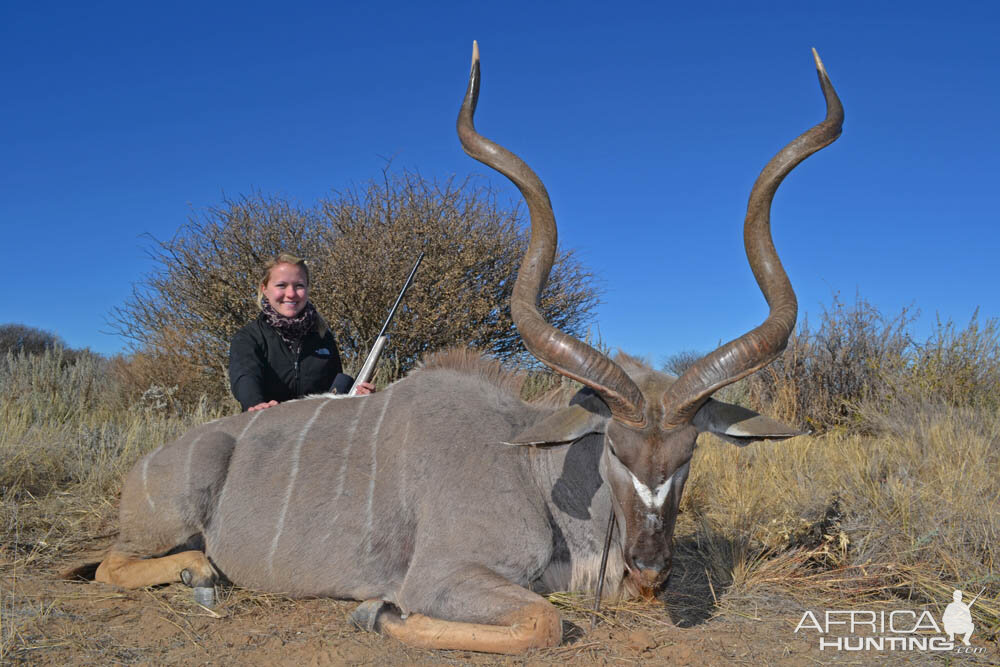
column 187, row 462
column 403, row 467
column 145, row 477
column 249, row 424
column 291, row 483
column 346, row 456
column 246, row 429
column 342, row 475
column 145, row 482
column 374, row 468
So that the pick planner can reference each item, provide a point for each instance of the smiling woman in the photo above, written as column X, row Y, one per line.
column 288, row 351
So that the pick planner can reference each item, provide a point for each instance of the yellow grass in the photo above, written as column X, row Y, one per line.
column 848, row 519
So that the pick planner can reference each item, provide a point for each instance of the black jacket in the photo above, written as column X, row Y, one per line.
column 262, row 368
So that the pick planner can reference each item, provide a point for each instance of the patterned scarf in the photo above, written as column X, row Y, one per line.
column 291, row 329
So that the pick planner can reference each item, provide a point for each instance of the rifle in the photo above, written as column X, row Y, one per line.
column 368, row 368
column 969, row 606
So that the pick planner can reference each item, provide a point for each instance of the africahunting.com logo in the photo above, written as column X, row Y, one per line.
column 899, row 630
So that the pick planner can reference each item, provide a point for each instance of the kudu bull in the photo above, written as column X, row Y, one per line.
column 445, row 503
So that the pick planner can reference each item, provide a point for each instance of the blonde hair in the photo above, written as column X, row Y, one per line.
column 287, row 258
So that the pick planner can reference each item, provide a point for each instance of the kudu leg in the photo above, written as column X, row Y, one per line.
column 166, row 501
column 503, row 617
column 190, row 567
column 533, row 626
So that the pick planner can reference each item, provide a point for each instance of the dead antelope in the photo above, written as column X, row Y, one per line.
column 445, row 503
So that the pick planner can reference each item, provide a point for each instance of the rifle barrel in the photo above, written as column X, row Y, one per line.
column 399, row 299
column 368, row 368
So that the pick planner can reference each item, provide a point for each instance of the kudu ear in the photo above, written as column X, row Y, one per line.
column 591, row 400
column 739, row 425
column 561, row 427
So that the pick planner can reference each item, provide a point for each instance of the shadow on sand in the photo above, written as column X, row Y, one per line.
column 699, row 578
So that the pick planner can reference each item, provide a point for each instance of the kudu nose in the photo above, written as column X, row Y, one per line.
column 647, row 577
column 653, row 569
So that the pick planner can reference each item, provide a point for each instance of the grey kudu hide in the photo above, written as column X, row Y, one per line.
column 445, row 503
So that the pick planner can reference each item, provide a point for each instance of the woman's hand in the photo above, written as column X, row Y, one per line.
column 261, row 406
column 364, row 388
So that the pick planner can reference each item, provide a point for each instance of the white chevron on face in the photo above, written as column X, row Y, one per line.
column 651, row 499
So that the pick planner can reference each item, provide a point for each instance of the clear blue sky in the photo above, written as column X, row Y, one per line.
column 648, row 123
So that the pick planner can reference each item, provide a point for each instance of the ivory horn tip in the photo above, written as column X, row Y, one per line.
column 819, row 63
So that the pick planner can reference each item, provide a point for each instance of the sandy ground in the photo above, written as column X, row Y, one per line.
column 48, row 621
column 74, row 624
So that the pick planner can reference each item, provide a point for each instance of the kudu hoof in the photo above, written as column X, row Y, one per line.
column 204, row 591
column 365, row 615
column 205, row 596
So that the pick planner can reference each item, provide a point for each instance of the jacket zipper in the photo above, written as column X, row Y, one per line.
column 298, row 355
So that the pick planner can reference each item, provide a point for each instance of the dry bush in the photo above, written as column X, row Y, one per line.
column 462, row 291
column 853, row 357
column 860, row 365
column 891, row 505
column 958, row 367
column 164, row 368
column 884, row 508
column 677, row 363
column 360, row 245
column 22, row 339
column 29, row 340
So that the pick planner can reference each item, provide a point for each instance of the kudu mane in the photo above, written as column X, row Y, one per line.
column 473, row 362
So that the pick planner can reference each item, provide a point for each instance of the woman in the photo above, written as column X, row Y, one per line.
column 287, row 351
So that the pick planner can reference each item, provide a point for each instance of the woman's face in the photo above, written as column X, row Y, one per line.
column 287, row 289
